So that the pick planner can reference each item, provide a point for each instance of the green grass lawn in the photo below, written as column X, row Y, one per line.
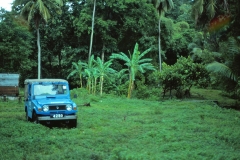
column 119, row 128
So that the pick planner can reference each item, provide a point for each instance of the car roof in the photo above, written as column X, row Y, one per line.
column 28, row 81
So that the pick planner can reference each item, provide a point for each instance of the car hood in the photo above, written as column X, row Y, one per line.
column 53, row 101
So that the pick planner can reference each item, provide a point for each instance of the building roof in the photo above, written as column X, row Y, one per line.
column 9, row 79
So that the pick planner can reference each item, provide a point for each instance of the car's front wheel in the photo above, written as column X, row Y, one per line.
column 73, row 123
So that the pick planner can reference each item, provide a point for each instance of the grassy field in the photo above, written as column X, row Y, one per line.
column 119, row 128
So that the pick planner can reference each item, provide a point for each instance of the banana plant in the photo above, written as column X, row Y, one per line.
column 78, row 69
column 88, row 71
column 95, row 76
column 103, row 69
column 135, row 63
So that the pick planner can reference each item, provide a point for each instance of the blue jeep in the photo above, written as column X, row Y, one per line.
column 48, row 100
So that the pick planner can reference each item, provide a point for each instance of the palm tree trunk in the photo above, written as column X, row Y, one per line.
column 159, row 44
column 103, row 52
column 39, row 54
column 91, row 40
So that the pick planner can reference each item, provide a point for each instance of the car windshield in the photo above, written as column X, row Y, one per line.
column 49, row 89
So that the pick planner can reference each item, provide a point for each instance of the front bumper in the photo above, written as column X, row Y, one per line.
column 66, row 117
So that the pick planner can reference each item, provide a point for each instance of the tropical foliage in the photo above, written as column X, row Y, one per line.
column 78, row 69
column 162, row 6
column 39, row 10
column 213, row 40
column 135, row 63
column 180, row 77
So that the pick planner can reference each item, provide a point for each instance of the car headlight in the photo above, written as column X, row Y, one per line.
column 45, row 108
column 69, row 107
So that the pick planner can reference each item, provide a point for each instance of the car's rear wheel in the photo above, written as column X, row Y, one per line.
column 35, row 118
column 28, row 118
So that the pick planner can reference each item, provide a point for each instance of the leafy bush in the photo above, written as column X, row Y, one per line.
column 181, row 77
column 193, row 74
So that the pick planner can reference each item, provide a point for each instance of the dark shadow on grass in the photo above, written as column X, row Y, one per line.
column 57, row 124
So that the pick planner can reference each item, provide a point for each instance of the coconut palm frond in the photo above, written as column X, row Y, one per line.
column 163, row 6
column 222, row 69
column 197, row 9
column 198, row 6
column 211, row 8
column 233, row 47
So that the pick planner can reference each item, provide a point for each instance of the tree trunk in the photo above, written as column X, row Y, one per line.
column 101, row 85
column 39, row 54
column 95, row 85
column 130, row 87
column 159, row 44
column 80, row 78
column 91, row 40
column 103, row 52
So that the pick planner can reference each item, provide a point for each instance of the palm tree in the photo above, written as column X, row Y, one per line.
column 91, row 40
column 209, row 6
column 39, row 10
column 230, row 68
column 103, row 69
column 78, row 69
column 222, row 69
column 134, row 63
column 162, row 6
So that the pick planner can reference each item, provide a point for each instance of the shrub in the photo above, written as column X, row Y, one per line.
column 181, row 77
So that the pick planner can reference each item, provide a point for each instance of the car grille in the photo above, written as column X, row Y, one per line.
column 57, row 107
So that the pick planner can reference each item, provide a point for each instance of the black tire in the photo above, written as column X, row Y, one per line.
column 28, row 118
column 35, row 118
column 73, row 123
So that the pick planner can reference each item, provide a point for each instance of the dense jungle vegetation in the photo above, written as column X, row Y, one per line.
column 110, row 46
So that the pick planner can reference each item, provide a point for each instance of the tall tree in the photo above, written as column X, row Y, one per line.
column 91, row 40
column 113, row 24
column 135, row 63
column 205, row 10
column 162, row 6
column 16, row 51
column 39, row 10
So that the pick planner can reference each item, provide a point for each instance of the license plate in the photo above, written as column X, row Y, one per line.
column 57, row 115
